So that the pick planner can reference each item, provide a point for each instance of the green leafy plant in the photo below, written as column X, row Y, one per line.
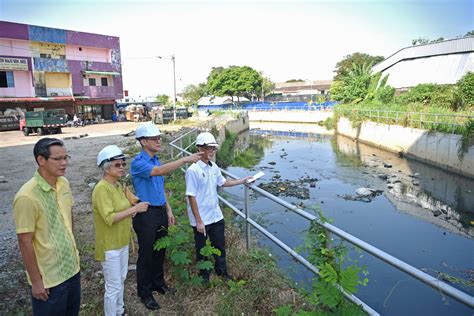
column 466, row 89
column 336, row 271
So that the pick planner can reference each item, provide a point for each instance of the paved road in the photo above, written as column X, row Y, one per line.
column 16, row 138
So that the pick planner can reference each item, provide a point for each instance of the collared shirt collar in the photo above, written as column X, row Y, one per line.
column 145, row 155
column 42, row 182
column 202, row 164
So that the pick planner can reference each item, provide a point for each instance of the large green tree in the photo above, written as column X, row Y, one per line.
column 234, row 81
column 344, row 66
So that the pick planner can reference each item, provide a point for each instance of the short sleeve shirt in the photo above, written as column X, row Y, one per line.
column 47, row 212
column 148, row 188
column 107, row 201
column 201, row 182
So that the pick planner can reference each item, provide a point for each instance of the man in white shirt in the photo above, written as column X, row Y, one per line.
column 205, row 215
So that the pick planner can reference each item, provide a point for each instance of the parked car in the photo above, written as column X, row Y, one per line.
column 43, row 122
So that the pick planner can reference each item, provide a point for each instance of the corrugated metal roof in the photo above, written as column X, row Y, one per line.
column 443, row 69
column 454, row 46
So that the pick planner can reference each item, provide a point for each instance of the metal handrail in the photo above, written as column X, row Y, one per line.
column 418, row 119
column 395, row 262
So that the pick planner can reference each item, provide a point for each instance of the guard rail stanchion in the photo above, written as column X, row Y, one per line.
column 247, row 225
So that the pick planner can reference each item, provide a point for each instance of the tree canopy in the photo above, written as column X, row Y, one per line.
column 192, row 93
column 234, row 81
column 294, row 80
column 344, row 66
column 163, row 99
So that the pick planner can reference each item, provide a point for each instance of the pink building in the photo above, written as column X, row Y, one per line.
column 44, row 67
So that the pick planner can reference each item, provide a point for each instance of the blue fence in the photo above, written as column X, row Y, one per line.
column 271, row 106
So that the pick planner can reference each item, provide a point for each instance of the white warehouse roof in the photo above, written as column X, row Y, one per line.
column 441, row 63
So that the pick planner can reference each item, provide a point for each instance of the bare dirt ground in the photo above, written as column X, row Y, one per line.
column 18, row 166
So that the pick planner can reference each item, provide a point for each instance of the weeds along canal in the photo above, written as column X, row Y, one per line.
column 421, row 214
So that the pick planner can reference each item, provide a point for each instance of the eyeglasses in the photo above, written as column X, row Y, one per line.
column 157, row 138
column 60, row 158
column 210, row 148
column 119, row 164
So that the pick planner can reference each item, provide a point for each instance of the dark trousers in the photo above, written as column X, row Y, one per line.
column 215, row 232
column 150, row 226
column 63, row 299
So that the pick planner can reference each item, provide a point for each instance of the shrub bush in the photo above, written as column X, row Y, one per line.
column 385, row 94
column 466, row 89
column 420, row 93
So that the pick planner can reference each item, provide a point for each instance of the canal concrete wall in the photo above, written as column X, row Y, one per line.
column 234, row 125
column 434, row 148
column 290, row 116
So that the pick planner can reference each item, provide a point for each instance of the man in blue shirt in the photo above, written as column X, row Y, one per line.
column 147, row 176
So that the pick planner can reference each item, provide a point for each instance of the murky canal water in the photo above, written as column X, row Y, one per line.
column 424, row 215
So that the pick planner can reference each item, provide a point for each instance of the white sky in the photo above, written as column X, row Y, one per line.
column 284, row 39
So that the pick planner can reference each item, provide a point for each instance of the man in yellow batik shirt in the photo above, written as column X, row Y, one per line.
column 43, row 218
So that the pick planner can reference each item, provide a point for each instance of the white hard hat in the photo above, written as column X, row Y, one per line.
column 206, row 139
column 108, row 153
column 147, row 130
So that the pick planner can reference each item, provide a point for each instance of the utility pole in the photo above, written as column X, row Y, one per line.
column 172, row 57
column 174, row 87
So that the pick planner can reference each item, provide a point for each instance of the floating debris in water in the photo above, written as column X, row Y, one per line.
column 289, row 188
column 362, row 194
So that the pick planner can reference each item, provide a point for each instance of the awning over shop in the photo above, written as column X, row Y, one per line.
column 45, row 99
column 107, row 73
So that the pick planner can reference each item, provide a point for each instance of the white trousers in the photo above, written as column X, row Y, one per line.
column 115, row 269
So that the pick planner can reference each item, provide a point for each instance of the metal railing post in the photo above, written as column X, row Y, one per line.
column 247, row 224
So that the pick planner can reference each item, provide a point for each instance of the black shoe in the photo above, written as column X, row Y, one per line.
column 150, row 302
column 164, row 289
column 226, row 276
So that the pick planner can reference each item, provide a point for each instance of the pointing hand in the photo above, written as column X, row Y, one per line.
column 193, row 158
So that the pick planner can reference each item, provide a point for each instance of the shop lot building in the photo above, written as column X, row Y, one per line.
column 49, row 68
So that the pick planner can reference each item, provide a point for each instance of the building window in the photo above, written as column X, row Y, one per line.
column 6, row 79
column 62, row 56
column 92, row 82
column 45, row 55
column 104, row 82
column 80, row 49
